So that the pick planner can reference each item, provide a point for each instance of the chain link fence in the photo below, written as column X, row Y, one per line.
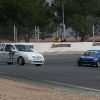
column 8, row 34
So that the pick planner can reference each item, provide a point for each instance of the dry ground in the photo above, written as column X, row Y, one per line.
column 12, row 90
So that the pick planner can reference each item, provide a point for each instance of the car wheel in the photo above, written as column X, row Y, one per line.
column 9, row 63
column 98, row 64
column 79, row 64
column 21, row 61
column 38, row 64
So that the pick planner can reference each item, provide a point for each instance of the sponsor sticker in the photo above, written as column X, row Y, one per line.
column 60, row 45
column 11, row 55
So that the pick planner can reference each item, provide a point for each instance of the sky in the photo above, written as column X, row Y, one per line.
column 49, row 1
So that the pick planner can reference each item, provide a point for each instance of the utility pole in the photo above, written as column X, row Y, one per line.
column 64, row 35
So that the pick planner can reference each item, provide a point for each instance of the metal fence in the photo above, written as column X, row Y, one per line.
column 17, row 34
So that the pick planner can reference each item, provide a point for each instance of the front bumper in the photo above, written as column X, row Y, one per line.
column 36, row 62
column 87, row 63
column 32, row 61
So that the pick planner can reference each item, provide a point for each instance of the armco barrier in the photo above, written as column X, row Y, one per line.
column 62, row 47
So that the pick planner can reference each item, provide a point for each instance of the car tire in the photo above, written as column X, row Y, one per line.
column 98, row 64
column 38, row 64
column 79, row 64
column 21, row 61
column 9, row 63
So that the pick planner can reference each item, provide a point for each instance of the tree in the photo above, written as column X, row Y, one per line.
column 44, row 16
column 80, row 15
column 25, row 13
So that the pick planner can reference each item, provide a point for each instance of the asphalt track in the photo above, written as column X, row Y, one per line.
column 60, row 68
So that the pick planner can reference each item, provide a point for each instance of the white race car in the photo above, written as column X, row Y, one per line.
column 19, row 53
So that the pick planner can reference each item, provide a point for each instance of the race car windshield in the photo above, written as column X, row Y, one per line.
column 90, row 54
column 23, row 48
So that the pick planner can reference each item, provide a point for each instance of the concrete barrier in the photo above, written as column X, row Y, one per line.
column 62, row 47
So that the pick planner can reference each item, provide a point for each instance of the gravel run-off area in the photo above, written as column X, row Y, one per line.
column 14, row 90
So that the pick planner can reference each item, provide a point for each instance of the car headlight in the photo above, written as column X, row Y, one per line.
column 79, row 59
column 37, row 57
column 34, row 57
column 95, row 59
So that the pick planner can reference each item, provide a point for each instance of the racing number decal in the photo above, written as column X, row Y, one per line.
column 11, row 54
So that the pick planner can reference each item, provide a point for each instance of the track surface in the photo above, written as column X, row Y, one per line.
column 60, row 68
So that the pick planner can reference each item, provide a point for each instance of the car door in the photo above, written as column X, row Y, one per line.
column 2, row 52
column 9, row 55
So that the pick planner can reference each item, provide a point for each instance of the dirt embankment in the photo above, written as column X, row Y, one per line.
column 12, row 90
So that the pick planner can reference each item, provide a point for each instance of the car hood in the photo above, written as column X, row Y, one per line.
column 88, row 57
column 32, row 54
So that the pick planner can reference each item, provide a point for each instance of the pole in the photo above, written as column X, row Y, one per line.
column 35, row 34
column 64, row 36
column 38, row 33
column 57, row 33
column 93, row 34
column 14, row 33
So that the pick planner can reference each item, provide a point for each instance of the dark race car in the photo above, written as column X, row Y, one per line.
column 90, row 58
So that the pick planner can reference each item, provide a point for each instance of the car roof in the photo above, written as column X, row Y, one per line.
column 93, row 50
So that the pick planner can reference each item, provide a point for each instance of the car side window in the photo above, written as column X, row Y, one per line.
column 2, row 47
column 9, row 48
